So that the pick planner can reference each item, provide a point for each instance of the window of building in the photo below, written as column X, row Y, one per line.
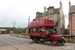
column 51, row 17
column 55, row 20
column 72, row 17
column 49, row 11
column 38, row 19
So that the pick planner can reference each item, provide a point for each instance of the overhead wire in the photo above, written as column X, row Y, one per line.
column 30, row 11
column 12, row 7
column 40, row 7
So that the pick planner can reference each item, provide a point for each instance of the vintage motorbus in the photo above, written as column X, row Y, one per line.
column 37, row 32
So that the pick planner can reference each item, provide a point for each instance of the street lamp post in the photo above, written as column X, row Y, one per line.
column 28, row 25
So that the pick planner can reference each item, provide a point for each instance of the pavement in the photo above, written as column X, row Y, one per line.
column 8, row 42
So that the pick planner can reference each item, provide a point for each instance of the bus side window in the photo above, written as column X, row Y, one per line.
column 34, row 30
column 31, row 30
column 37, row 30
column 42, row 30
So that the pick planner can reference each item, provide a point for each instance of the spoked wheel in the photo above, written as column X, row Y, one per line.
column 34, row 40
column 54, row 42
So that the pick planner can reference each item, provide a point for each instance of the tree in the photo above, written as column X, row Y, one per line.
column 25, row 28
column 68, row 26
column 14, row 28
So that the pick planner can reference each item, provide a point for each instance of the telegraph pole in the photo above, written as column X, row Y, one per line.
column 14, row 27
column 14, row 24
column 28, row 25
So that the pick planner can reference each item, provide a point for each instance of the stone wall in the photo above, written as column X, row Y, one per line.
column 21, row 35
column 67, row 38
column 72, row 22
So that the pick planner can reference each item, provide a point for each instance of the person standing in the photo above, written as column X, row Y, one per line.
column 48, row 32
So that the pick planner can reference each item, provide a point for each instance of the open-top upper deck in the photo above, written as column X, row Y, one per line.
column 43, row 22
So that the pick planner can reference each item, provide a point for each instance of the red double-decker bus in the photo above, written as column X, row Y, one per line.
column 37, row 30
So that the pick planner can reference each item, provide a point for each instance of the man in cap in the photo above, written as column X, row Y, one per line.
column 48, row 32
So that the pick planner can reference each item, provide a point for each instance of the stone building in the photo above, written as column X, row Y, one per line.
column 71, row 19
column 55, row 14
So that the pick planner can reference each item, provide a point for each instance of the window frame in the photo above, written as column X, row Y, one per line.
column 72, row 17
column 38, row 19
column 51, row 17
column 49, row 11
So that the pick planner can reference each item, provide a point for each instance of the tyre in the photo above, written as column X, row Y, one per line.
column 55, row 43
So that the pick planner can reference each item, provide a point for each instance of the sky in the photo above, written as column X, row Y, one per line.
column 18, row 11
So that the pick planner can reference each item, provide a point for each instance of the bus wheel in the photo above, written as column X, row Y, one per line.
column 54, row 42
column 34, row 40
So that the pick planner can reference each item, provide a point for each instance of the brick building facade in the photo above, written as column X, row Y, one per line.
column 55, row 14
column 71, row 19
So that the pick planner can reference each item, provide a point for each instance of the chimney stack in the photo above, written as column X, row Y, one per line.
column 44, row 8
column 60, row 4
column 69, row 4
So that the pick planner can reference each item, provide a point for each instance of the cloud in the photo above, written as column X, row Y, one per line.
column 8, row 18
column 20, row 10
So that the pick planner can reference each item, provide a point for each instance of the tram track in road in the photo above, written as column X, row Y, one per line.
column 17, row 40
column 6, row 39
column 11, row 44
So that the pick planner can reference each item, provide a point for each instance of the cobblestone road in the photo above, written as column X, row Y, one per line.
column 27, row 44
